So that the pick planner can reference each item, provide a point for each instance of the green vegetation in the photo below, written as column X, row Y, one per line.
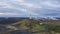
column 37, row 27
column 30, row 25
column 34, row 26
column 54, row 28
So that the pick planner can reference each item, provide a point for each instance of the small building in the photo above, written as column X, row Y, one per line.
column 41, row 23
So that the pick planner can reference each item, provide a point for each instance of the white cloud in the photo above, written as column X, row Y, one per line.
column 6, row 5
column 1, row 13
column 29, row 7
column 9, row 14
column 50, row 4
column 19, row 0
column 25, row 3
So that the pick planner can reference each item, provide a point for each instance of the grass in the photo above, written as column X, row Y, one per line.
column 38, row 27
column 54, row 28
column 42, row 27
column 51, row 27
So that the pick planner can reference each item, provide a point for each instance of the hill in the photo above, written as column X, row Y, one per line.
column 29, row 25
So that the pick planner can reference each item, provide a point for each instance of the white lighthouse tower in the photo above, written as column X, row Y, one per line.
column 30, row 17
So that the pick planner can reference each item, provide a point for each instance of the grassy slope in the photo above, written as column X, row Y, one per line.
column 36, row 26
column 54, row 28
column 31, row 25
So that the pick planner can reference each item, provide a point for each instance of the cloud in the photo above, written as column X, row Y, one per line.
column 24, row 3
column 19, row 0
column 9, row 14
column 33, row 7
column 29, row 5
column 13, row 15
column 50, row 4
column 6, row 5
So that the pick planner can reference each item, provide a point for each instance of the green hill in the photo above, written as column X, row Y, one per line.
column 29, row 25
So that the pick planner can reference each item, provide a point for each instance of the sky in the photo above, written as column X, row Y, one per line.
column 26, row 8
